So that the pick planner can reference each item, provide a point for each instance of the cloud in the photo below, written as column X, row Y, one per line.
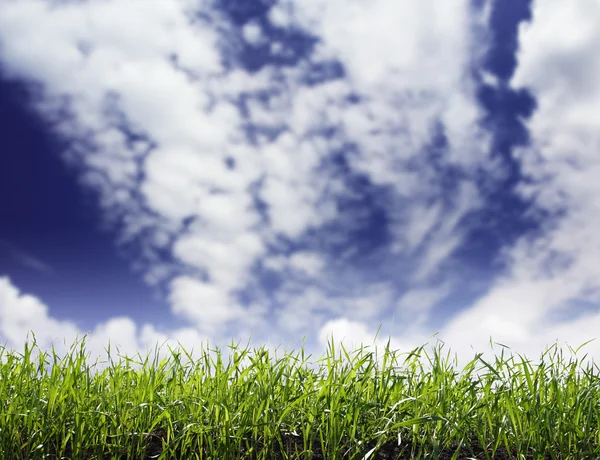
column 21, row 313
column 552, row 272
column 34, row 263
column 352, row 334
column 26, row 259
column 109, row 342
column 191, row 113
column 252, row 33
column 190, row 296
column 562, row 162
column 195, row 128
column 244, row 171
column 310, row 263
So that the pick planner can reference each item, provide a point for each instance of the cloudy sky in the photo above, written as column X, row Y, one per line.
column 207, row 170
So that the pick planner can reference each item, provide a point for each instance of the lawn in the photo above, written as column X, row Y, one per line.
column 345, row 405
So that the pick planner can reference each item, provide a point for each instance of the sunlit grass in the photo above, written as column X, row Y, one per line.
column 351, row 405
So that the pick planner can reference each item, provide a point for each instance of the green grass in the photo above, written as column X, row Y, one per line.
column 350, row 405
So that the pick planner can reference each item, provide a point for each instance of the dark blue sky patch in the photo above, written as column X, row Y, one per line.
column 297, row 44
column 39, row 195
column 270, row 280
column 478, row 5
column 321, row 72
column 45, row 211
column 242, row 11
column 363, row 223
column 498, row 224
column 504, row 21
column 506, row 111
column 505, row 215
column 230, row 163
column 433, row 157
column 353, row 98
column 298, row 47
column 258, row 203
column 463, row 296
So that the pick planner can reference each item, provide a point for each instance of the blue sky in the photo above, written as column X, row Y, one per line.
column 191, row 171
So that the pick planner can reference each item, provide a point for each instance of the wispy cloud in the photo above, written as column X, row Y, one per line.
column 24, row 258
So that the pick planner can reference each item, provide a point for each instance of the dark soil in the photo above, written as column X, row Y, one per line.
column 293, row 444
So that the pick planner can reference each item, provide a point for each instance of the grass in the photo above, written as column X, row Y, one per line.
column 352, row 406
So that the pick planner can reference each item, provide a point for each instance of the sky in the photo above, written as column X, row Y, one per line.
column 284, row 173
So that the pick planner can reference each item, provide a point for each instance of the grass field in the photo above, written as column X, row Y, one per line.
column 354, row 405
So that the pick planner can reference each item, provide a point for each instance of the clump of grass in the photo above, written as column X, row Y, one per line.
column 354, row 406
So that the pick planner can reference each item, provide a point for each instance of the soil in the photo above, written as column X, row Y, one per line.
column 291, row 443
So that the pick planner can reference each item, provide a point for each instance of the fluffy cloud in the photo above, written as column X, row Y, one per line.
column 231, row 169
column 22, row 313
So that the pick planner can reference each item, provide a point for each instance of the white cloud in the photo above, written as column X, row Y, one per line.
column 152, row 68
column 547, row 271
column 22, row 313
column 280, row 16
column 193, row 136
column 252, row 33
column 305, row 308
column 275, row 263
column 310, row 263
column 345, row 331
column 206, row 305
column 109, row 342
column 406, row 42
column 215, row 254
column 558, row 68
column 353, row 335
column 291, row 213
column 490, row 79
column 514, row 313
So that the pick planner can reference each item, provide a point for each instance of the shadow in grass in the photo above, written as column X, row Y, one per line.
column 291, row 448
